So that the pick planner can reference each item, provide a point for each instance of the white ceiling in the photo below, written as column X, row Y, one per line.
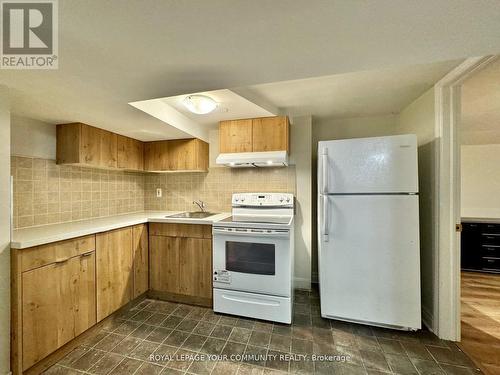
column 357, row 94
column 480, row 123
column 230, row 106
column 119, row 51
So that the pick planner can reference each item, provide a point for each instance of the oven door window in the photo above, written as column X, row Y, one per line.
column 254, row 258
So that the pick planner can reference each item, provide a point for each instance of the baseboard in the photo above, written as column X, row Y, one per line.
column 301, row 283
column 428, row 319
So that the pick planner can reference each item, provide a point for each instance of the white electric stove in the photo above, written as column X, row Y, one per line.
column 253, row 257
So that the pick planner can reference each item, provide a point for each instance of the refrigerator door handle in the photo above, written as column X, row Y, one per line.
column 325, row 219
column 324, row 172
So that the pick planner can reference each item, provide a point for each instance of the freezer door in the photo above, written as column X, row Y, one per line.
column 368, row 165
column 369, row 262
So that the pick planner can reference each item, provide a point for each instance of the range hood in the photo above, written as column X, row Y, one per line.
column 253, row 159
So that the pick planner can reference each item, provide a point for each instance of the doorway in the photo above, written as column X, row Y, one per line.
column 479, row 140
column 448, row 101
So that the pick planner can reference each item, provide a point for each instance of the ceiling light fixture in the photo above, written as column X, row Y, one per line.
column 199, row 104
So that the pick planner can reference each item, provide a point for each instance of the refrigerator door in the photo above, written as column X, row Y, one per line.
column 368, row 165
column 369, row 264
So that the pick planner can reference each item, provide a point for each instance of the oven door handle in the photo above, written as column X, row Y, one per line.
column 249, row 301
column 252, row 233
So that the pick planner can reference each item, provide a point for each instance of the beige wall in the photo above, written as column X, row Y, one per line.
column 4, row 234
column 419, row 118
column 47, row 193
column 32, row 138
column 300, row 155
column 214, row 187
column 480, row 174
column 356, row 127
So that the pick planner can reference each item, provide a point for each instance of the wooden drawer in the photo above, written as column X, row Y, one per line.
column 180, row 230
column 39, row 256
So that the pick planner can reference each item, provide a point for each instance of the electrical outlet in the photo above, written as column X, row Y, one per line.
column 158, row 193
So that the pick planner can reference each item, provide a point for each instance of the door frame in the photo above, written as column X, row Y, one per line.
column 447, row 203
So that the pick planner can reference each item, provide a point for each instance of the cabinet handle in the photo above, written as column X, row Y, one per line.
column 84, row 255
column 60, row 261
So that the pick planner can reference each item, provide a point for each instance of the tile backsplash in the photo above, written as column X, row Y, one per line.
column 47, row 193
column 214, row 187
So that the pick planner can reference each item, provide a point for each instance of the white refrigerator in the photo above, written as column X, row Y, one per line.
column 368, row 231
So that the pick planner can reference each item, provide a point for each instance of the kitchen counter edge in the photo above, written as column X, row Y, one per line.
column 35, row 236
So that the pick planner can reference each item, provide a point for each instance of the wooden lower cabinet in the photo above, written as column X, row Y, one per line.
column 164, row 266
column 195, row 267
column 141, row 259
column 181, row 266
column 58, row 304
column 114, row 261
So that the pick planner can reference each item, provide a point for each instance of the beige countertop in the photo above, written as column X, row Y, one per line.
column 34, row 236
column 484, row 220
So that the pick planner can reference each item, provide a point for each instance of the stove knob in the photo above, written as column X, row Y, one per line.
column 288, row 200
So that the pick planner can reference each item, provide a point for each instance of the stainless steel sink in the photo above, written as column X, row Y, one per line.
column 192, row 215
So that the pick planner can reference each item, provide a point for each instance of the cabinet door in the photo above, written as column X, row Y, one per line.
column 164, row 263
column 195, row 267
column 58, row 303
column 90, row 145
column 270, row 134
column 84, row 292
column 130, row 153
column 108, row 149
column 235, row 136
column 141, row 259
column 114, row 270
column 156, row 156
column 182, row 155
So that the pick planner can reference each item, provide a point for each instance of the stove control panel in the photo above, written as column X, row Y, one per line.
column 222, row 276
column 263, row 199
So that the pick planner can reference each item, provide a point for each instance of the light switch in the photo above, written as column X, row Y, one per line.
column 158, row 193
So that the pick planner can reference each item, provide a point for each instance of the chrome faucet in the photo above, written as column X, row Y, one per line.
column 200, row 204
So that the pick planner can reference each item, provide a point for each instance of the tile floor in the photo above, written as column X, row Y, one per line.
column 155, row 337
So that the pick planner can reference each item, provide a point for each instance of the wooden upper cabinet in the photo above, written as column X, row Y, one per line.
column 156, row 156
column 89, row 143
column 108, row 149
column 235, row 136
column 176, row 155
column 83, row 144
column 254, row 135
column 270, row 134
column 130, row 153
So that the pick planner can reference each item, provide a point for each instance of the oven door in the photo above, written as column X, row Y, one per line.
column 252, row 260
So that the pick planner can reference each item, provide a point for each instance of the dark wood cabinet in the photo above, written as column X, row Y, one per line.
column 480, row 247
